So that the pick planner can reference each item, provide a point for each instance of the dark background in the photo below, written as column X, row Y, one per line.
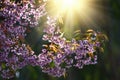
column 108, row 67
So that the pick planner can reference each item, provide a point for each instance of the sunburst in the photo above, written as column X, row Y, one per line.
column 76, row 12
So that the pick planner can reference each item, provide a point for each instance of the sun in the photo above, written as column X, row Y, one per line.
column 70, row 5
column 69, row 2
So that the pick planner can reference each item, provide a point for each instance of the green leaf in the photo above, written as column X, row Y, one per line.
column 52, row 64
column 3, row 65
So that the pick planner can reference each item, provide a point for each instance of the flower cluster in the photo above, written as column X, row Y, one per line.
column 61, row 54
column 14, row 53
column 57, row 56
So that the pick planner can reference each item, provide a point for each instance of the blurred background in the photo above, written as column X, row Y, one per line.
column 108, row 67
